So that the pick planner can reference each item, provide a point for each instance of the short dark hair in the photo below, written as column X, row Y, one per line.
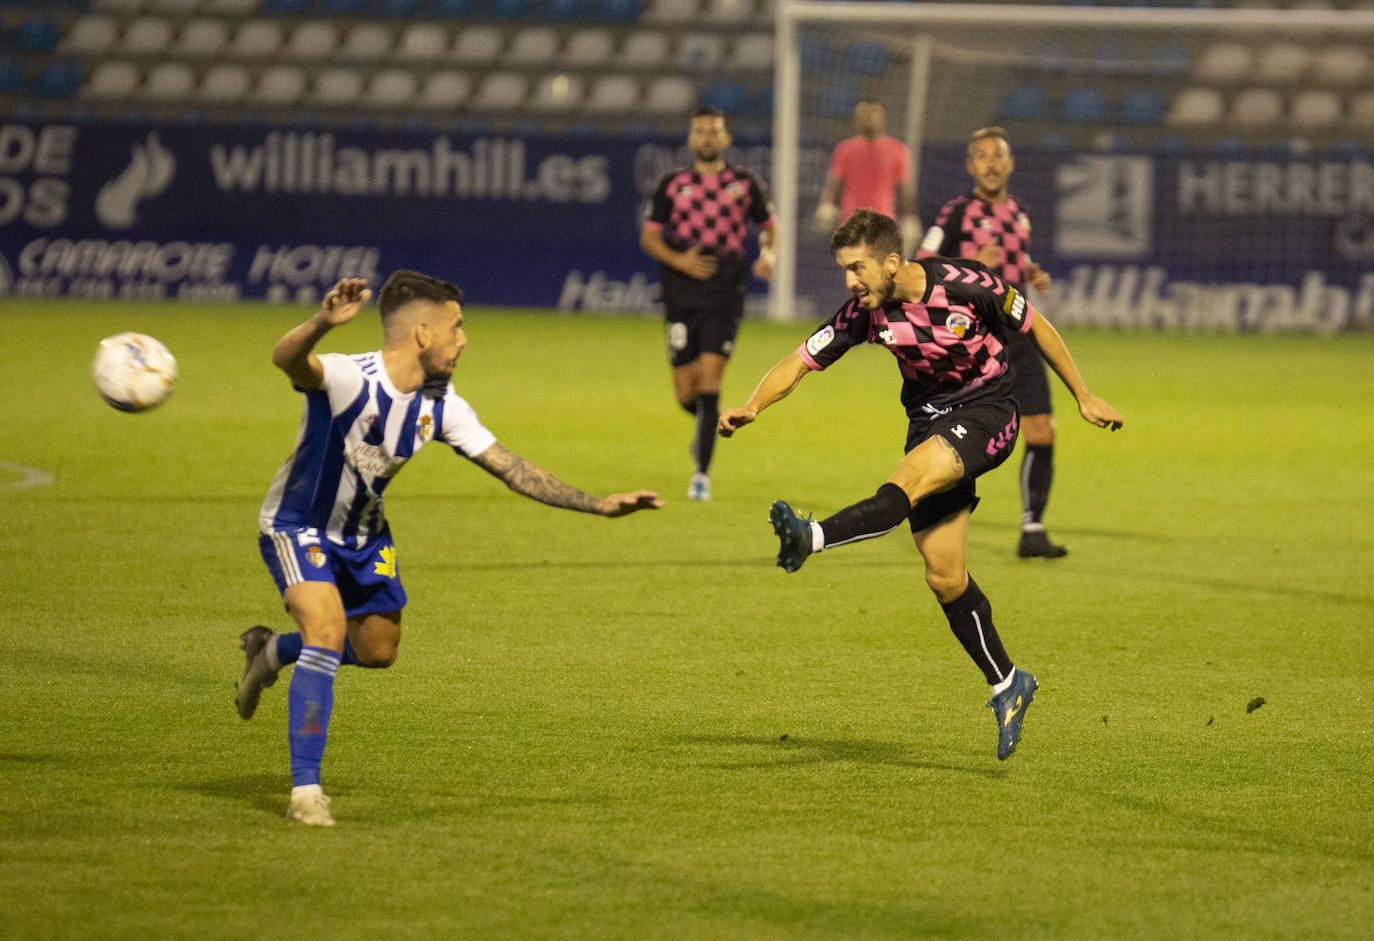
column 708, row 112
column 405, row 286
column 867, row 227
column 985, row 133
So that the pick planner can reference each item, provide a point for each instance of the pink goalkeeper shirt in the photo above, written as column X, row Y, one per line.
column 871, row 171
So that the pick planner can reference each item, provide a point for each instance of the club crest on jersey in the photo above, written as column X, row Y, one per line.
column 885, row 336
column 426, row 427
column 736, row 191
column 820, row 339
column 1023, row 221
column 958, row 323
column 685, row 189
column 315, row 556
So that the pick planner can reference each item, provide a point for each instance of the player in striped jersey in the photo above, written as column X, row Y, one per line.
column 946, row 322
column 990, row 225
column 323, row 534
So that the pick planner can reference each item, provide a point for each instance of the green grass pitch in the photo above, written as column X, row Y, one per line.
column 641, row 728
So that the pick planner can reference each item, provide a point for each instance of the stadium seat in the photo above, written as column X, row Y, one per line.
column 1084, row 105
column 236, row 8
column 1142, row 106
column 644, row 49
column 501, row 92
column 1315, row 108
column 670, row 94
column 59, row 80
column 589, row 47
column 123, row 7
column 278, row 85
column 422, row 42
column 111, row 80
column 1224, row 62
column 1170, row 60
column 557, row 92
column 1051, row 56
column 1256, row 107
column 444, row 90
column 38, row 34
column 619, row 11
column 1024, row 104
column 225, row 83
column 1057, row 141
column 202, row 38
column 1340, row 65
column 455, row 9
column 1230, row 147
column 613, row 94
column 730, row 97
column 534, row 45
column 837, row 100
column 1172, row 145
column 477, row 45
column 1361, row 112
column 397, row 9
column 509, row 9
column 365, row 42
column 257, row 39
column 866, row 58
column 312, row 40
column 169, row 81
column 560, row 11
column 727, row 12
column 11, row 77
column 1282, row 63
column 285, row 7
column 91, row 34
column 343, row 8
column 1195, row 106
column 147, row 36
column 1348, row 149
column 816, row 55
column 763, row 101
column 700, row 51
column 1112, row 57
column 389, row 88
column 670, row 11
column 752, row 51
column 336, row 87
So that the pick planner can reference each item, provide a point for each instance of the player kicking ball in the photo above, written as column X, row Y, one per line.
column 945, row 320
column 323, row 534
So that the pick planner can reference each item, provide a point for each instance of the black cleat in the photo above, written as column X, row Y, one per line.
column 1036, row 545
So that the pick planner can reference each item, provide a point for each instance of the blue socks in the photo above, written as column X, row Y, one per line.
column 289, row 650
column 309, row 703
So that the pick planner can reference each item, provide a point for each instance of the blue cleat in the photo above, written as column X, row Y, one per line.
column 1009, row 706
column 794, row 535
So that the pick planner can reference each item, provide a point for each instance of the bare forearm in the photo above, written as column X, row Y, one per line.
column 1057, row 355
column 533, row 481
column 777, row 383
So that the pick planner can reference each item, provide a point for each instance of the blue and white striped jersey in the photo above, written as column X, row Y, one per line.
column 356, row 433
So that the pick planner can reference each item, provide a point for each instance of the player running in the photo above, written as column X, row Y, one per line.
column 323, row 534
column 946, row 321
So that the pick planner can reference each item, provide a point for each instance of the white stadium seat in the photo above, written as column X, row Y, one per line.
column 477, row 45
column 312, row 40
column 644, row 50
column 147, row 36
column 1195, row 106
column 1340, row 65
column 279, row 85
column 670, row 94
column 557, row 92
column 670, row 11
column 444, row 89
column 1282, row 62
column 613, row 94
column 169, row 81
column 589, row 47
column 231, row 7
column 1316, row 108
column 336, row 87
column 700, row 51
column 257, row 39
column 727, row 12
column 535, row 45
column 366, row 42
column 1257, row 107
column 752, row 51
column 111, row 80
column 202, row 38
column 225, row 83
column 91, row 34
column 501, row 91
column 1362, row 109
column 422, row 42
column 391, row 87
column 1224, row 62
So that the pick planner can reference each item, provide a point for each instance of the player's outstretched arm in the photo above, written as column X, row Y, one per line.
column 533, row 481
column 1093, row 409
column 775, row 384
column 294, row 354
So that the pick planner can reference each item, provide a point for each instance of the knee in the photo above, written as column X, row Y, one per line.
column 1038, row 429
column 946, row 583
column 378, row 656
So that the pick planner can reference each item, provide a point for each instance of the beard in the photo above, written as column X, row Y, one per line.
column 435, row 385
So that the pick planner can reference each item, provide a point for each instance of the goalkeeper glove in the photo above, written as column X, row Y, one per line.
column 826, row 214
column 911, row 234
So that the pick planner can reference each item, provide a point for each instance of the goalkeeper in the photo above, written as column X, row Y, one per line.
column 871, row 170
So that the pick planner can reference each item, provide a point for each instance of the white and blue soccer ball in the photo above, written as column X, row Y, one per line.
column 134, row 372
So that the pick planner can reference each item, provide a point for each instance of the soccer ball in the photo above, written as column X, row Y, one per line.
column 133, row 372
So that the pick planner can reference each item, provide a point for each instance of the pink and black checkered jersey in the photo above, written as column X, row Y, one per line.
column 968, row 222
column 710, row 210
column 950, row 345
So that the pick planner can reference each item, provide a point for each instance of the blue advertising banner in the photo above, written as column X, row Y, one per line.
column 223, row 213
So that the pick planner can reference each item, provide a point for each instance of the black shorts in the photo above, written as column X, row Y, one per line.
column 1030, row 378
column 983, row 433
column 693, row 331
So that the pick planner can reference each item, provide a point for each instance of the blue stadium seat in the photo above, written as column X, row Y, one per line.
column 1083, row 105
column 1024, row 104
column 1052, row 56
column 618, row 10
column 730, row 97
column 59, row 80
column 1348, row 149
column 39, row 34
column 11, row 77
column 866, row 58
column 285, row 7
column 639, row 131
column 343, row 7
column 1230, row 147
column 510, row 9
column 583, row 130
column 1112, row 57
column 563, row 10
column 816, row 55
column 763, row 102
column 1057, row 141
column 1172, row 145
column 1169, row 59
column 455, row 9
column 1142, row 106
column 399, row 8
column 838, row 100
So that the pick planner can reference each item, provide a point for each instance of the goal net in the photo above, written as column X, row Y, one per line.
column 1193, row 168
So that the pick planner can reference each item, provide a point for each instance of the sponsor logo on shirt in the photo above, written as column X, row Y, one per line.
column 370, row 459
column 1014, row 305
column 820, row 339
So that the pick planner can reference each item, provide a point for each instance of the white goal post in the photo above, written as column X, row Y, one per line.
column 923, row 32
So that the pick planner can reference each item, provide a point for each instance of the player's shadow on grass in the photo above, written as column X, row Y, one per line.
column 264, row 791
column 785, row 750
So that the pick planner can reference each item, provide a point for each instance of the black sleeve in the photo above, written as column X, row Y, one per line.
column 847, row 329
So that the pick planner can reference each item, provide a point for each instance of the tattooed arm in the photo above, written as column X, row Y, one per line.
column 533, row 481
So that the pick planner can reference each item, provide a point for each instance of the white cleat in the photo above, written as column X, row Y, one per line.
column 310, row 807
column 257, row 672
column 700, row 488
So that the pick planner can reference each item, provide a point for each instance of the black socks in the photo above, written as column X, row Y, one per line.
column 970, row 618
